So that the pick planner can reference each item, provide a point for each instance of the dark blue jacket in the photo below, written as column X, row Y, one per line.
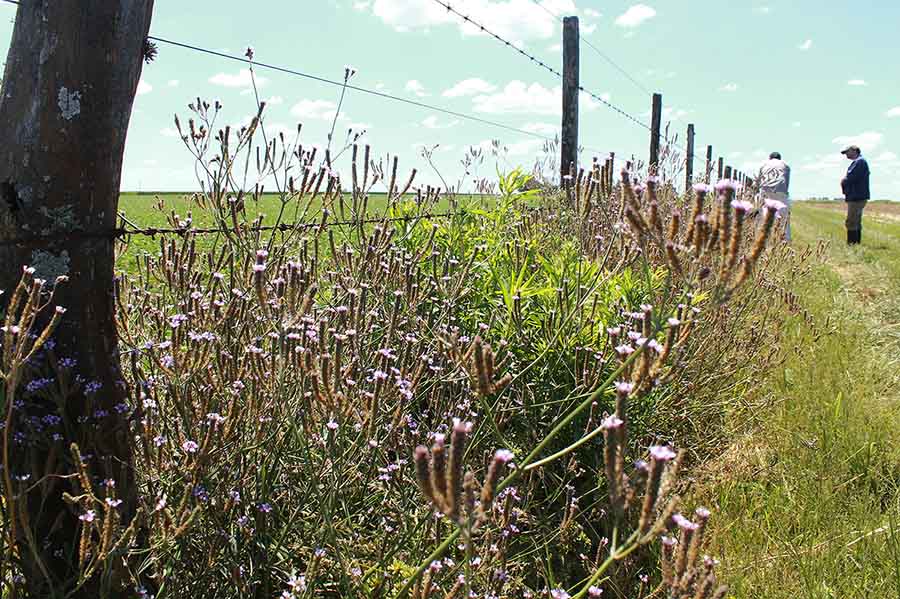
column 856, row 184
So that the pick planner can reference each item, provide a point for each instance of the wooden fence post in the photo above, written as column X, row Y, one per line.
column 571, row 83
column 689, row 165
column 721, row 167
column 728, row 172
column 709, row 163
column 612, row 169
column 655, row 134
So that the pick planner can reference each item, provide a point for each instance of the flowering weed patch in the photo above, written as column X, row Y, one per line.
column 417, row 407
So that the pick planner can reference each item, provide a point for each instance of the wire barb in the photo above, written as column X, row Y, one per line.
column 133, row 229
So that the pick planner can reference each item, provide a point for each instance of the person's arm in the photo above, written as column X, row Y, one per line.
column 787, row 179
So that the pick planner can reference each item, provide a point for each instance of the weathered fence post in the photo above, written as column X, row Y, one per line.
column 709, row 163
column 689, row 165
column 728, row 172
column 721, row 168
column 569, row 138
column 612, row 169
column 68, row 89
column 655, row 133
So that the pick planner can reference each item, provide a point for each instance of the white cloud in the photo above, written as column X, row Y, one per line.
column 588, row 29
column 554, row 48
column 634, row 16
column 825, row 163
column 432, row 123
column 169, row 132
column 805, row 45
column 590, row 12
column 414, row 87
column 867, row 141
column 528, row 147
column 362, row 5
column 893, row 112
column 857, row 83
column 515, row 19
column 542, row 128
column 470, row 87
column 886, row 157
column 143, row 88
column 151, row 162
column 315, row 109
column 174, row 83
column 729, row 87
column 520, row 98
column 762, row 10
column 242, row 78
column 675, row 114
column 275, row 101
column 797, row 124
column 360, row 126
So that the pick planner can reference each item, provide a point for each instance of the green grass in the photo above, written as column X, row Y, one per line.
column 808, row 503
column 143, row 210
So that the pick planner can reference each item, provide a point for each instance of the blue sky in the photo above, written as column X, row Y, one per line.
column 801, row 77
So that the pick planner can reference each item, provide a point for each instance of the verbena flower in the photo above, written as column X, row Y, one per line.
column 662, row 453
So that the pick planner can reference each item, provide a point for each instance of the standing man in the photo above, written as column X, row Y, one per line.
column 856, row 192
column 774, row 182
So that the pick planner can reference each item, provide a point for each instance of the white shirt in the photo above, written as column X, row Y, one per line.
column 775, row 176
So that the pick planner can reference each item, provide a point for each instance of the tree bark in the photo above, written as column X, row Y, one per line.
column 68, row 89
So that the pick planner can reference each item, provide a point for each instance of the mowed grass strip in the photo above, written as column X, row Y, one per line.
column 808, row 503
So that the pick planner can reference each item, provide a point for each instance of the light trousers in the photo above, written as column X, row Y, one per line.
column 785, row 213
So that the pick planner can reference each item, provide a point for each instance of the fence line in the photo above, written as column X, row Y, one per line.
column 655, row 130
column 135, row 230
column 538, row 61
column 602, row 54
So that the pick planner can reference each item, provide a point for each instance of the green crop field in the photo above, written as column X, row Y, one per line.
column 153, row 210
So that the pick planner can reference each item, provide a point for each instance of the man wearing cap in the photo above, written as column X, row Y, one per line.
column 856, row 192
column 774, row 182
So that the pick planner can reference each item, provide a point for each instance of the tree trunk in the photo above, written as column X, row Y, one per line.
column 71, row 77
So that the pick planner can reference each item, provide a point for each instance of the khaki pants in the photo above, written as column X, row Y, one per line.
column 854, row 215
column 784, row 213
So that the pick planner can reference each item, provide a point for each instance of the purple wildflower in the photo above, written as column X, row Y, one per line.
column 662, row 453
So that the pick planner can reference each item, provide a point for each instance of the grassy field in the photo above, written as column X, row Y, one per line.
column 808, row 502
column 153, row 210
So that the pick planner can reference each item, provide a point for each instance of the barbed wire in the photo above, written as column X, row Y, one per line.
column 484, row 29
column 555, row 72
column 145, row 231
column 541, row 63
column 602, row 54
column 343, row 84
column 416, row 103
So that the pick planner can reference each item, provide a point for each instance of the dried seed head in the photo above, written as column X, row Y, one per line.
column 501, row 458
column 455, row 469
column 423, row 472
column 439, row 471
